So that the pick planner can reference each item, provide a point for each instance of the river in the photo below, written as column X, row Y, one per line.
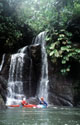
column 47, row 116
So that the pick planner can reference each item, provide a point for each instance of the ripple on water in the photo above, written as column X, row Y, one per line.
column 49, row 116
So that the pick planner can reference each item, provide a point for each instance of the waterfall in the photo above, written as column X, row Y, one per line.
column 17, row 76
column 2, row 62
column 43, row 88
column 15, row 84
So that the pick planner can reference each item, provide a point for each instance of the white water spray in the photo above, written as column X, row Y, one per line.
column 43, row 88
column 15, row 84
column 2, row 62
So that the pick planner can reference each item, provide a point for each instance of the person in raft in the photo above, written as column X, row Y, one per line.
column 43, row 102
column 23, row 102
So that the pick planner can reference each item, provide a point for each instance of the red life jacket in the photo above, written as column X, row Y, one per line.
column 23, row 102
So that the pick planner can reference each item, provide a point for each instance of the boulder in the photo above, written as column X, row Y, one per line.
column 33, row 100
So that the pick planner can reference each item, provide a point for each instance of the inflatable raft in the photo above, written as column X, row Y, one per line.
column 28, row 106
column 25, row 106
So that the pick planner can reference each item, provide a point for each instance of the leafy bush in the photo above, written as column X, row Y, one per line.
column 62, row 49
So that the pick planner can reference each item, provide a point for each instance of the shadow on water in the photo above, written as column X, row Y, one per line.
column 47, row 116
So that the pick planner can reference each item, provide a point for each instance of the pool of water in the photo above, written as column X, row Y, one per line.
column 47, row 116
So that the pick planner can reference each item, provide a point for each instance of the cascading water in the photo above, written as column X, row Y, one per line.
column 43, row 88
column 15, row 80
column 2, row 62
column 15, row 84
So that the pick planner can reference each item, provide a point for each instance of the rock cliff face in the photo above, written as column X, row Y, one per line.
column 3, row 87
column 64, row 90
column 32, row 70
column 61, row 89
column 3, row 81
column 2, row 104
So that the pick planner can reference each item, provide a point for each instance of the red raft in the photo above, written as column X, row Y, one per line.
column 25, row 106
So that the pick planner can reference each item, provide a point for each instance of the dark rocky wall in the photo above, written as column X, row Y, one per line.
column 2, row 104
column 32, row 70
column 64, row 90
column 3, row 81
column 60, row 88
column 6, row 65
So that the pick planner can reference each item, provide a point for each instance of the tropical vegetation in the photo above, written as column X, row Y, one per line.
column 21, row 20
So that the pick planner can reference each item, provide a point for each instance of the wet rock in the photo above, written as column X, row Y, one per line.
column 5, row 70
column 2, row 104
column 3, row 87
column 31, row 70
column 60, row 88
column 33, row 100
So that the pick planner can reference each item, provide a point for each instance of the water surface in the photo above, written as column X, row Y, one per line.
column 47, row 116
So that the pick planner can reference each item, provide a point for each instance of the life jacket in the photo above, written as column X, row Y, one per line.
column 23, row 102
column 43, row 102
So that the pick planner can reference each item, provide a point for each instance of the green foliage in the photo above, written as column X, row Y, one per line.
column 76, row 10
column 44, row 14
column 50, row 15
column 36, row 13
column 12, row 30
column 62, row 49
column 8, row 28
